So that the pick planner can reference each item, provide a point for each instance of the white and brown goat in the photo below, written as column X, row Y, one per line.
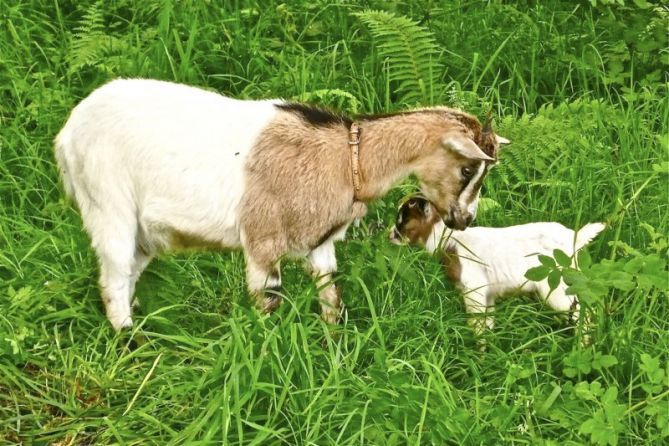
column 486, row 263
column 155, row 166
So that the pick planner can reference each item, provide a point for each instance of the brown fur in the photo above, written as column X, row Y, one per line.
column 300, row 185
column 186, row 240
column 299, row 188
column 414, row 225
column 452, row 266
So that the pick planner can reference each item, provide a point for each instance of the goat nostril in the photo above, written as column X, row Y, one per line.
column 469, row 219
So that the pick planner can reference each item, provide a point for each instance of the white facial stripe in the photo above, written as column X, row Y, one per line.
column 473, row 206
column 470, row 193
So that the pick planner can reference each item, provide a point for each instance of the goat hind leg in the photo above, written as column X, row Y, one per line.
column 140, row 263
column 559, row 300
column 115, row 281
column 113, row 232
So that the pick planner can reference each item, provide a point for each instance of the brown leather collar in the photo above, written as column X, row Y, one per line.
column 354, row 143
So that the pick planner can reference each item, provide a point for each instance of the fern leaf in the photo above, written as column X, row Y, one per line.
column 410, row 51
column 91, row 43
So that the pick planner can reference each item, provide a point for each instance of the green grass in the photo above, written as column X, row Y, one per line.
column 580, row 89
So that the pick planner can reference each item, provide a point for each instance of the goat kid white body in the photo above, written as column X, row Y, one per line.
column 170, row 159
column 494, row 261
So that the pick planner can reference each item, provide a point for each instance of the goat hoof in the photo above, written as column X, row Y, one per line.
column 269, row 304
column 132, row 341
column 334, row 335
column 121, row 324
column 482, row 345
column 331, row 315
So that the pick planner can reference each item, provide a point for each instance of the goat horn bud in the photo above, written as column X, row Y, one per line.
column 487, row 126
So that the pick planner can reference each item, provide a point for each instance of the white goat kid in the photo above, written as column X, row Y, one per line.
column 486, row 263
column 155, row 166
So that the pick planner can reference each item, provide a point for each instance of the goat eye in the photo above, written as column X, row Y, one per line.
column 467, row 172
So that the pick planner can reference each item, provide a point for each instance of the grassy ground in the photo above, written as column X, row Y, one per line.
column 580, row 89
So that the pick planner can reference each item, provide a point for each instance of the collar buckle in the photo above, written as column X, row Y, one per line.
column 354, row 144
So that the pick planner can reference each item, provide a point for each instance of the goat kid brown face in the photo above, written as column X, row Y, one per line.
column 452, row 177
column 415, row 220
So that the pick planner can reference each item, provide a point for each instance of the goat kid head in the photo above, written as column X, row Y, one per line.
column 418, row 223
column 451, row 177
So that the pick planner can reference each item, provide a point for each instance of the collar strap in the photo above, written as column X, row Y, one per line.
column 354, row 144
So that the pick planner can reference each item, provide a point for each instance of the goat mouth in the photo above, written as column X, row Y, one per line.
column 395, row 237
column 454, row 223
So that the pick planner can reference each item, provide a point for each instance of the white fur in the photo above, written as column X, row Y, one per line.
column 323, row 263
column 494, row 261
column 144, row 159
column 466, row 200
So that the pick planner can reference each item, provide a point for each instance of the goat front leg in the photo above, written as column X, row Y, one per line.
column 323, row 263
column 263, row 280
column 478, row 306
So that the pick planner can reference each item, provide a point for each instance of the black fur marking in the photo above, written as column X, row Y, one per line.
column 376, row 116
column 274, row 277
column 479, row 181
column 274, row 289
column 315, row 116
column 328, row 234
column 273, row 295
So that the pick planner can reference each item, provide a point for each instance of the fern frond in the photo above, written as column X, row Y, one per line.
column 91, row 44
column 332, row 96
column 548, row 142
column 410, row 51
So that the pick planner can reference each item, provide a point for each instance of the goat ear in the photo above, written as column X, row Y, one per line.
column 502, row 140
column 465, row 147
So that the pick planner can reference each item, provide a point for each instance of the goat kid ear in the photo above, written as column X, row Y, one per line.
column 465, row 147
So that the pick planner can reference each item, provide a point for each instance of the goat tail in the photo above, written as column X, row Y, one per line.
column 587, row 233
column 62, row 145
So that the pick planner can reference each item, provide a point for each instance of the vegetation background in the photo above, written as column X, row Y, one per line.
column 581, row 89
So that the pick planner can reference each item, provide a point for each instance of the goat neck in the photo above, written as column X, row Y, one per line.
column 392, row 147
